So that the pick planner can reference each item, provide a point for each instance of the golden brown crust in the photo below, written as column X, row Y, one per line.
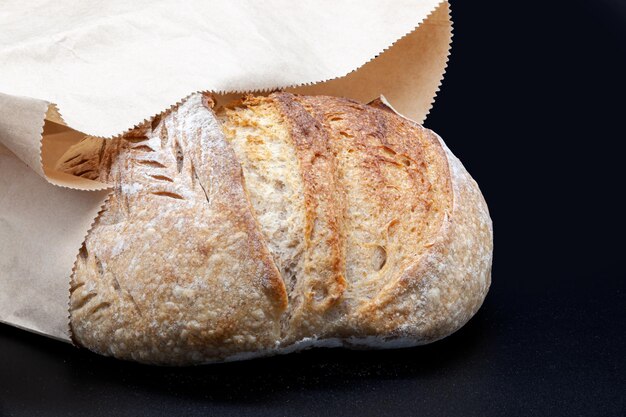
column 322, row 285
column 377, row 229
column 397, row 194
column 446, row 285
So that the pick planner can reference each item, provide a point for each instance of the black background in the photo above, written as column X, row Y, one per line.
column 533, row 104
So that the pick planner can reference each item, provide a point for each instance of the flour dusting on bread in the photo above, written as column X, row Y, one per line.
column 275, row 224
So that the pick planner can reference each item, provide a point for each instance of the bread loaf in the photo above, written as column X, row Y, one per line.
column 274, row 224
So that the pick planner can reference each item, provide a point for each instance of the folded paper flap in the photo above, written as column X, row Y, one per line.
column 89, row 68
column 111, row 67
column 21, row 126
column 23, row 131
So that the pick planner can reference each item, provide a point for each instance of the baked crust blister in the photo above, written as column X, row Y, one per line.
column 274, row 224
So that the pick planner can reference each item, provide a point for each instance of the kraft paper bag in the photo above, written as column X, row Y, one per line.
column 75, row 68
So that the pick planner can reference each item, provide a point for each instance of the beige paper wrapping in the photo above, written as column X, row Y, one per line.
column 108, row 66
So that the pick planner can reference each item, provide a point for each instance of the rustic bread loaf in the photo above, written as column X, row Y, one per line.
column 274, row 224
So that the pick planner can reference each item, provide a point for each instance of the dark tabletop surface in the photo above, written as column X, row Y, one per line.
column 533, row 103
